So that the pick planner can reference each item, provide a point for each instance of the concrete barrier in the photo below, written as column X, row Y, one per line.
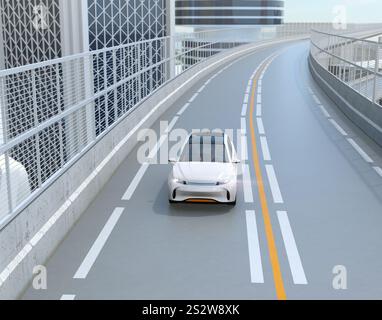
column 30, row 239
column 364, row 113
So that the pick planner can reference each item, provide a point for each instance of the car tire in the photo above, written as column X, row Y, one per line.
column 171, row 201
column 232, row 203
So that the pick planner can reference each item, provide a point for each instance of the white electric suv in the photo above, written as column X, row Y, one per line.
column 206, row 170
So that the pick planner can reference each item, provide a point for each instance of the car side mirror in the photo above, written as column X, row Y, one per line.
column 172, row 161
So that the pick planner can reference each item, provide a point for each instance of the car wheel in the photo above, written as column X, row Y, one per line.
column 171, row 201
column 232, row 203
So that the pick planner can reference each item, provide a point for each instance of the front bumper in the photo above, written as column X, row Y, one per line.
column 202, row 193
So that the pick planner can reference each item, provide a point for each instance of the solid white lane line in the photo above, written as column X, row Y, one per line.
column 324, row 111
column 243, row 125
column 259, row 110
column 316, row 99
column 260, row 126
column 246, row 98
column 68, row 297
column 244, row 148
column 244, row 110
column 294, row 259
column 255, row 264
column 265, row 149
column 134, row 184
column 338, row 127
column 247, row 184
column 310, row 91
column 378, row 170
column 95, row 250
column 184, row 108
column 259, row 98
column 248, row 90
column 260, row 82
column 362, row 153
column 259, row 89
column 274, row 185
column 193, row 97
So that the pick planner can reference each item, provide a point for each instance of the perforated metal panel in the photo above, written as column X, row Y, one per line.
column 119, row 22
column 31, row 34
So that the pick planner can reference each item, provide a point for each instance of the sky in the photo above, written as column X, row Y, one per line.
column 355, row 11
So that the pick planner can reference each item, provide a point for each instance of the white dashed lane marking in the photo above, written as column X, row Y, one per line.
column 243, row 125
column 201, row 89
column 274, row 185
column 243, row 148
column 244, row 110
column 134, row 184
column 294, row 259
column 260, row 126
column 98, row 245
column 255, row 264
column 193, row 97
column 378, row 170
column 247, row 184
column 183, row 109
column 338, row 127
column 265, row 149
column 316, row 99
column 360, row 151
column 259, row 110
column 324, row 111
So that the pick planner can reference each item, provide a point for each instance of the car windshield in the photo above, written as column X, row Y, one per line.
column 208, row 148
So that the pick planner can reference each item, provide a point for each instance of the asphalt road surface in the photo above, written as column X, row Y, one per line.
column 308, row 219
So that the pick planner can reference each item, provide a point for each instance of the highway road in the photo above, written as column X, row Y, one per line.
column 309, row 203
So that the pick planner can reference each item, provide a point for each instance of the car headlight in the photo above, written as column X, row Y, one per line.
column 180, row 181
column 223, row 181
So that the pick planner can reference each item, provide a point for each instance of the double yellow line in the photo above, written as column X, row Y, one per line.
column 277, row 276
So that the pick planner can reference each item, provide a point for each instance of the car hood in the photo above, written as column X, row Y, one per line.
column 203, row 172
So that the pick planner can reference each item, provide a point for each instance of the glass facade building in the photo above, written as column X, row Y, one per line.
column 229, row 12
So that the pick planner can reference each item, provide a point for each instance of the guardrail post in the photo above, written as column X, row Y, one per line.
column 115, row 93
column 89, row 91
column 5, row 139
column 376, row 70
column 60, row 125
column 170, row 33
column 35, row 115
column 106, row 102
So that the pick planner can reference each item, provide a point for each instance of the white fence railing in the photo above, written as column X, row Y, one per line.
column 356, row 62
column 53, row 111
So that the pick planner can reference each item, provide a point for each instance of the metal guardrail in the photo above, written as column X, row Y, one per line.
column 54, row 111
column 354, row 61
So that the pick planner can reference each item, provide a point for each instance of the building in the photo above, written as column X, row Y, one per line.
column 259, row 18
column 207, row 13
column 32, row 31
